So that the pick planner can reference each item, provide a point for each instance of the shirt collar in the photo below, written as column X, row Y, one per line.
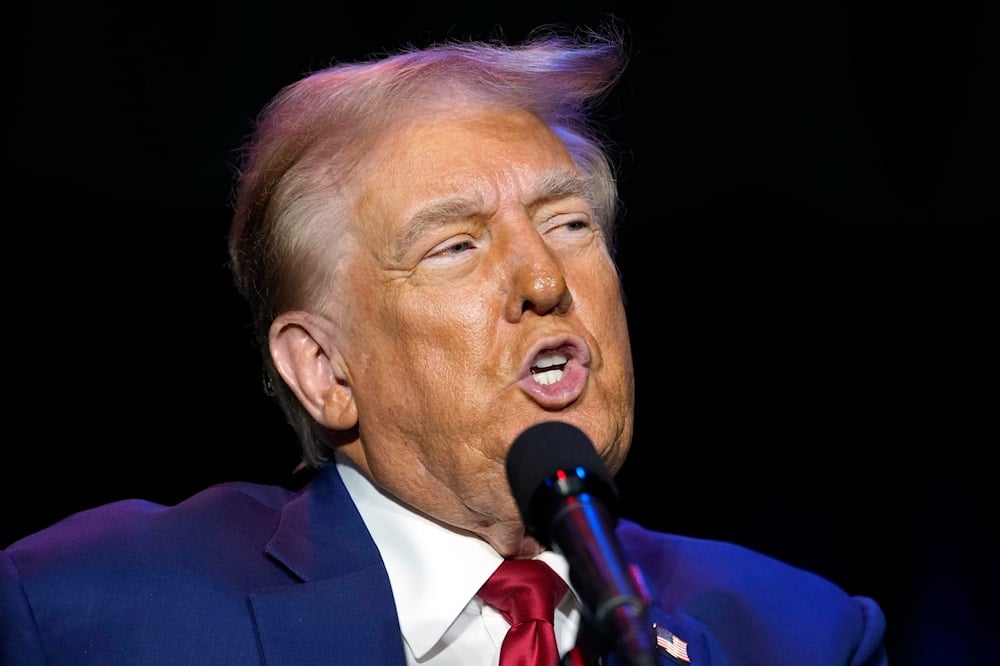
column 423, row 559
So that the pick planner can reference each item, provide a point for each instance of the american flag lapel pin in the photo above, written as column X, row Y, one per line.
column 671, row 645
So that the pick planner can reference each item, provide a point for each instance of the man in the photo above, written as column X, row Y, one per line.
column 425, row 244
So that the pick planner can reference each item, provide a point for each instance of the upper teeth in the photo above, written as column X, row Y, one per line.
column 545, row 370
column 549, row 360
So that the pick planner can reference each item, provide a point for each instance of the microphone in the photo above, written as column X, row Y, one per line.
column 569, row 503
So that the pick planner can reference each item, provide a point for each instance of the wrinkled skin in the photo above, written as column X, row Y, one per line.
column 474, row 254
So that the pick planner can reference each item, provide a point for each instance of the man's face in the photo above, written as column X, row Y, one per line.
column 482, row 299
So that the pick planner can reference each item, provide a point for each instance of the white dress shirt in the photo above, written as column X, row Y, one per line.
column 435, row 575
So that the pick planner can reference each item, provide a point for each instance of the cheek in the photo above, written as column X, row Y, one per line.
column 609, row 322
column 446, row 320
column 421, row 339
column 605, row 298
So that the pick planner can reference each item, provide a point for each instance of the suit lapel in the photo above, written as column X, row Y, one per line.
column 681, row 638
column 687, row 647
column 343, row 611
column 342, row 620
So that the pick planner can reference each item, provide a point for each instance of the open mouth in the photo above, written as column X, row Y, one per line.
column 557, row 371
column 549, row 368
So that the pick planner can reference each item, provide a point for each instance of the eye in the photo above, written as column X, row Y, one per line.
column 454, row 248
column 454, row 251
column 569, row 226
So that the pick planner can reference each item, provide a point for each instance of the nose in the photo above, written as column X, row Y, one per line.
column 538, row 281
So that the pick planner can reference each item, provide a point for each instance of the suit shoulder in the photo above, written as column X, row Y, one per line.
column 713, row 575
column 137, row 573
column 664, row 555
column 752, row 603
column 219, row 511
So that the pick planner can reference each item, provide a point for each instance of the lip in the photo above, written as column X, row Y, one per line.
column 576, row 372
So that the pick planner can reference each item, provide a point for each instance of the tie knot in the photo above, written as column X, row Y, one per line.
column 524, row 590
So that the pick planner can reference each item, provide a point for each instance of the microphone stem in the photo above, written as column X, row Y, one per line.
column 583, row 532
column 633, row 636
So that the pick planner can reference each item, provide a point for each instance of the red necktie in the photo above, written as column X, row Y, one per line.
column 526, row 593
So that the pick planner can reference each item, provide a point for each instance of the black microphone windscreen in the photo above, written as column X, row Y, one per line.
column 543, row 450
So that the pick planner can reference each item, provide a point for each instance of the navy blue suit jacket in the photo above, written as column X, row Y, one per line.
column 250, row 574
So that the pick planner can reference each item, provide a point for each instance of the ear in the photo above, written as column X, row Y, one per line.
column 303, row 351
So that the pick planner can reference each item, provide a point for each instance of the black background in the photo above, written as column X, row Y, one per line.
column 808, row 250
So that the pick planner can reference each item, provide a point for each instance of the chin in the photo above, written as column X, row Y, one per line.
column 513, row 543
column 526, row 549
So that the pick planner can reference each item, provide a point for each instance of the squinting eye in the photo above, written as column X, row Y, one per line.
column 579, row 224
column 457, row 248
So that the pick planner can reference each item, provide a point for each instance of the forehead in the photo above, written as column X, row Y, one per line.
column 480, row 156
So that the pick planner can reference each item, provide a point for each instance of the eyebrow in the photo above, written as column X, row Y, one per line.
column 436, row 214
column 563, row 183
column 555, row 184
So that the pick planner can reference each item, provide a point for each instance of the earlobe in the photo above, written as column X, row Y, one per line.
column 303, row 353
